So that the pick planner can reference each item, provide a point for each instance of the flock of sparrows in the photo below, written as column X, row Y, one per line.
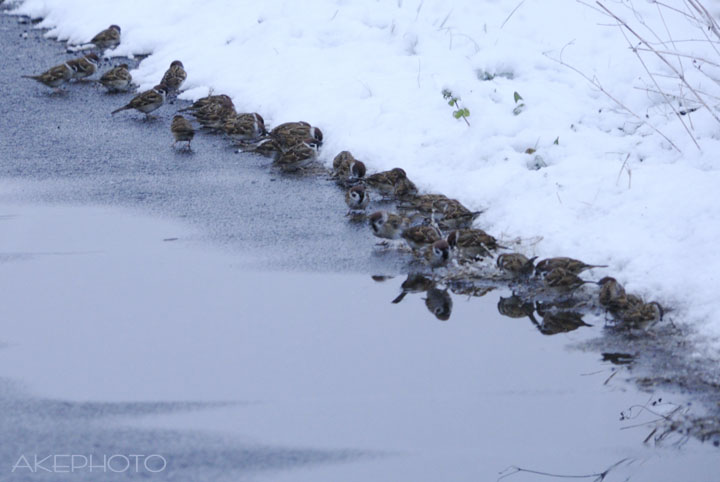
column 437, row 229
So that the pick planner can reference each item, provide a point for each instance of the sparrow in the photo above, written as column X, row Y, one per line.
column 643, row 315
column 265, row 147
column 290, row 133
column 438, row 254
column 417, row 237
column 357, row 198
column 405, row 188
column 208, row 100
column 84, row 66
column 457, row 216
column 571, row 265
column 387, row 225
column 108, row 38
column 297, row 157
column 182, row 130
column 243, row 127
column 345, row 166
column 612, row 294
column 174, row 76
column 414, row 283
column 554, row 322
column 439, row 303
column 516, row 264
column 53, row 77
column 342, row 161
column 147, row 101
column 386, row 181
column 117, row 79
column 450, row 213
column 215, row 117
column 212, row 111
column 472, row 243
column 563, row 280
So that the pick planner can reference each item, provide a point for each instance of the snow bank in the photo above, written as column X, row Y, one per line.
column 370, row 74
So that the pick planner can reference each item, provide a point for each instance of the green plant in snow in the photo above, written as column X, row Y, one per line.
column 453, row 101
column 519, row 106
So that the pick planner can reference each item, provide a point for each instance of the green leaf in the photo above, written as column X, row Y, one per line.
column 451, row 103
column 557, row 141
column 517, row 97
column 518, row 110
column 465, row 112
column 457, row 114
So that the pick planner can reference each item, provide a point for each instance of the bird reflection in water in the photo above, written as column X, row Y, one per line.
column 437, row 297
column 553, row 318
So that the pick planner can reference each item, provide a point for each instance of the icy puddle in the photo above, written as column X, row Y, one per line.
column 118, row 338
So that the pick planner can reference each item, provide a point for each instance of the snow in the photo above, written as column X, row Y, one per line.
column 370, row 74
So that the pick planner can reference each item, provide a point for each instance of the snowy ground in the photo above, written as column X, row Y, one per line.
column 370, row 74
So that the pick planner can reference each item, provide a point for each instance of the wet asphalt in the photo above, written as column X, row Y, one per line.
column 67, row 148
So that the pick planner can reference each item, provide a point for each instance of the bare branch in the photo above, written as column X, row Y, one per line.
column 511, row 13
column 599, row 86
column 677, row 114
column 662, row 58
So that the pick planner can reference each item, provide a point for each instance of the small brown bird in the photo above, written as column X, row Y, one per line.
column 612, row 294
column 174, row 76
column 449, row 213
column 643, row 315
column 84, row 66
column 472, row 243
column 385, row 182
column 182, row 130
column 215, row 116
column 563, row 280
column 54, row 77
column 439, row 303
column 108, row 38
column 438, row 254
column 571, row 265
column 425, row 203
column 147, row 101
column 457, row 216
column 342, row 161
column 117, row 79
column 405, row 188
column 346, row 167
column 291, row 133
column 264, row 147
column 516, row 264
column 297, row 157
column 209, row 100
column 417, row 237
column 387, row 225
column 414, row 283
column 357, row 198
column 243, row 127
